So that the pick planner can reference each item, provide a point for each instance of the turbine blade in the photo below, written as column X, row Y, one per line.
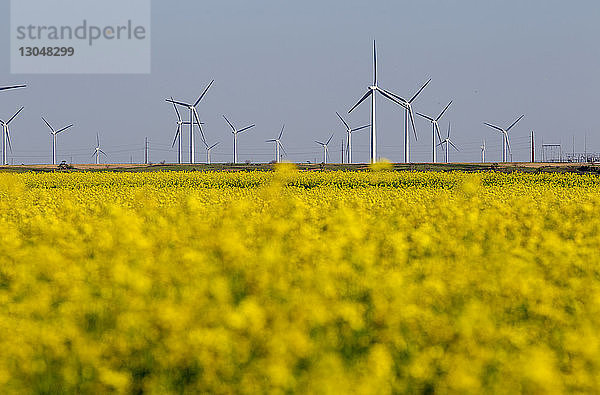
column 419, row 92
column 97, row 140
column 448, row 131
column 361, row 100
column 281, row 133
column 516, row 122
column 214, row 145
column 494, row 127
column 8, row 138
column 412, row 122
column 452, row 144
column 320, row 143
column 179, row 103
column 374, row 64
column 342, row 119
column 329, row 141
column 437, row 130
column 283, row 149
column 270, row 141
column 176, row 110
column 203, row 93
column 103, row 153
column 246, row 128
column 5, row 88
column 425, row 116
column 65, row 128
column 14, row 116
column 508, row 143
column 230, row 124
column 399, row 101
column 197, row 117
column 443, row 112
column 361, row 128
column 51, row 128
column 176, row 135
column 392, row 94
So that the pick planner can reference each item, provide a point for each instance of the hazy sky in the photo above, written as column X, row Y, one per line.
column 298, row 62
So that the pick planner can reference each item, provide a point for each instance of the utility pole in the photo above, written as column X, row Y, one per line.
column 532, row 147
column 146, row 151
column 573, row 148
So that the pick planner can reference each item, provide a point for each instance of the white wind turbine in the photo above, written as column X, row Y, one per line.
column 98, row 150
column 193, row 116
column 446, row 142
column 436, row 130
column 483, row 152
column 505, row 138
column 325, row 149
column 55, row 133
column 349, row 132
column 278, row 145
column 408, row 115
column 208, row 149
column 6, row 144
column 372, row 90
column 235, row 133
column 180, row 124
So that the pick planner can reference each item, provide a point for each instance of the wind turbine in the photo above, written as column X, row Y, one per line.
column 98, row 150
column 235, row 133
column 54, row 133
column 208, row 149
column 505, row 139
column 193, row 116
column 178, row 136
column 436, row 130
column 325, row 149
column 349, row 131
column 6, row 88
column 372, row 90
column 6, row 136
column 447, row 142
column 408, row 114
column 483, row 152
column 278, row 145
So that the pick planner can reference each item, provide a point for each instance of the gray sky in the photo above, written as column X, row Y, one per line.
column 297, row 63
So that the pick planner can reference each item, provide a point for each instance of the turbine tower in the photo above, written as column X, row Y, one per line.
column 208, row 149
column 446, row 142
column 235, row 133
column 325, row 149
column 98, row 150
column 372, row 90
column 436, row 130
column 505, row 138
column 408, row 115
column 349, row 132
column 55, row 133
column 278, row 145
column 6, row 136
column 193, row 116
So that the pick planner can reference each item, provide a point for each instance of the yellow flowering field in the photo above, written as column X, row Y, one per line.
column 334, row 282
